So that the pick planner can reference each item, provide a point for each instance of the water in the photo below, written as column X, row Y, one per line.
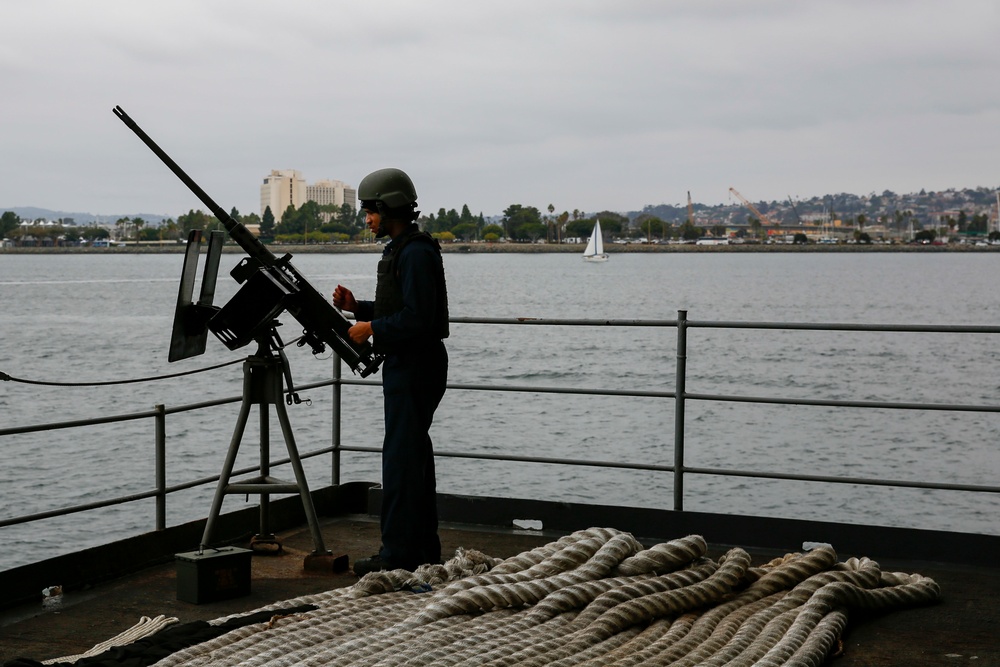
column 92, row 318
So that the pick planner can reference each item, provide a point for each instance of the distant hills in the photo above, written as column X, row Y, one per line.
column 35, row 213
column 924, row 207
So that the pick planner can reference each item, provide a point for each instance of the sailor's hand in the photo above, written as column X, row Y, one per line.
column 360, row 332
column 344, row 299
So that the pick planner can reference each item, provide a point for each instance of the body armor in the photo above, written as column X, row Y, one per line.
column 389, row 290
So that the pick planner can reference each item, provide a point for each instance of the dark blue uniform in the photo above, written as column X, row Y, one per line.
column 409, row 318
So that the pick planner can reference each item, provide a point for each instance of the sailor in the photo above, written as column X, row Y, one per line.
column 407, row 321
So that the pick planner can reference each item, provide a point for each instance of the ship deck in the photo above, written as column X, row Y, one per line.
column 959, row 629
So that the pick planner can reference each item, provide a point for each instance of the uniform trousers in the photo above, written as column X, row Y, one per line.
column 413, row 384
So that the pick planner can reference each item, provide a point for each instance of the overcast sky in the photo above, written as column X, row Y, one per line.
column 580, row 104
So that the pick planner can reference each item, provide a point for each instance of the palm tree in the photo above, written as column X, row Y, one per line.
column 121, row 227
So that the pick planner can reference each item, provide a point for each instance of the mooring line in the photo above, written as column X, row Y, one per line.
column 595, row 597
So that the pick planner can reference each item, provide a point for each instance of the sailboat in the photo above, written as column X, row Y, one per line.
column 595, row 246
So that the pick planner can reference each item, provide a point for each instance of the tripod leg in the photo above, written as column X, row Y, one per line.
column 265, row 471
column 300, row 478
column 227, row 469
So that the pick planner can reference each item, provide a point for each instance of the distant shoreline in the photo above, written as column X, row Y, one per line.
column 473, row 248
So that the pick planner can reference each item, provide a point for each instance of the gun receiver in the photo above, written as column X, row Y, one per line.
column 286, row 287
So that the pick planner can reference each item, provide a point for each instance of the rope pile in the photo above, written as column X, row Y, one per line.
column 144, row 628
column 594, row 598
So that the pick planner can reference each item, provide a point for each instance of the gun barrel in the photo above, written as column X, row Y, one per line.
column 239, row 233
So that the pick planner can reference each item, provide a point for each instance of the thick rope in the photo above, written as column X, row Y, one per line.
column 595, row 598
column 144, row 628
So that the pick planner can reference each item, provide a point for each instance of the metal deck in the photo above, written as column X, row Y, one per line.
column 960, row 629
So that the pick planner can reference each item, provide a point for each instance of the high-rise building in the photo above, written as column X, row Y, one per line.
column 281, row 189
column 337, row 193
column 285, row 187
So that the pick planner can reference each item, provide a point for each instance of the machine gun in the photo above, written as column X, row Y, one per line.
column 270, row 285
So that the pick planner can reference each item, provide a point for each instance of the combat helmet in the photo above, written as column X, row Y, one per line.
column 391, row 188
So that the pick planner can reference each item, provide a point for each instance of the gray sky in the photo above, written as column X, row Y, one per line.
column 579, row 104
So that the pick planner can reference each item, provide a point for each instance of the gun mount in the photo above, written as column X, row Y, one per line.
column 270, row 286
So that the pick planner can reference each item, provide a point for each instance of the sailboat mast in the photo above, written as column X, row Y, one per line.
column 998, row 213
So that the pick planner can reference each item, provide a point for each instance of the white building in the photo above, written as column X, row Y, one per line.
column 281, row 189
column 337, row 193
column 286, row 187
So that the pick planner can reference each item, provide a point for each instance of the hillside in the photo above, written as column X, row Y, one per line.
column 888, row 208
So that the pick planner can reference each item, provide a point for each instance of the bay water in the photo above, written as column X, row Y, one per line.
column 90, row 318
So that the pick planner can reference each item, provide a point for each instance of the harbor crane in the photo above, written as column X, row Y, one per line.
column 798, row 219
column 760, row 216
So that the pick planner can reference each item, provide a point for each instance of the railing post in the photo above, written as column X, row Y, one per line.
column 679, row 395
column 335, row 413
column 161, row 467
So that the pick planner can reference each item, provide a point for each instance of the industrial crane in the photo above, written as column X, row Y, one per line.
column 798, row 219
column 760, row 216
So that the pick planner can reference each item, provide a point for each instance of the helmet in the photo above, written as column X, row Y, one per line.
column 391, row 187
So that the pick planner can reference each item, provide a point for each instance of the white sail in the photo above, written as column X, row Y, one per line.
column 595, row 246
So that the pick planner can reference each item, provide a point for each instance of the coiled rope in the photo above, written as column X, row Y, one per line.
column 595, row 598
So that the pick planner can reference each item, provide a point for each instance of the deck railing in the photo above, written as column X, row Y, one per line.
column 680, row 396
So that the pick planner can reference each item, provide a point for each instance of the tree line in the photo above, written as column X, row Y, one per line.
column 528, row 224
column 65, row 232
column 318, row 224
column 313, row 223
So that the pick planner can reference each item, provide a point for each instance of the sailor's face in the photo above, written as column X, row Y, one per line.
column 372, row 220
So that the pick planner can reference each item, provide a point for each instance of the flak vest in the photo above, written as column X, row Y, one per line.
column 389, row 290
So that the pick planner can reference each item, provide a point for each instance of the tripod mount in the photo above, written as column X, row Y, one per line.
column 265, row 374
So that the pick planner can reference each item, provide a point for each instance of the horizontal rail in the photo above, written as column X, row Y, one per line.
column 527, row 459
column 678, row 468
column 835, row 403
column 719, row 398
column 112, row 419
column 145, row 414
column 832, row 326
column 724, row 324
column 145, row 495
column 544, row 321
column 864, row 481
column 534, row 389
column 75, row 423
column 652, row 467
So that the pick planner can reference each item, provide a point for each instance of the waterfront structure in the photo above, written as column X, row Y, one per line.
column 286, row 187
column 337, row 193
column 282, row 188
